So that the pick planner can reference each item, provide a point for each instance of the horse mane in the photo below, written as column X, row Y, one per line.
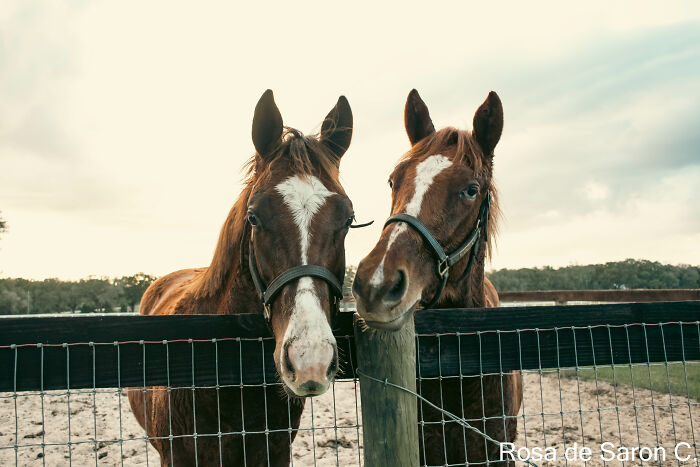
column 467, row 151
column 304, row 155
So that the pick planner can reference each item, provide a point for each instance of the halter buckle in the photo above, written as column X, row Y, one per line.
column 443, row 267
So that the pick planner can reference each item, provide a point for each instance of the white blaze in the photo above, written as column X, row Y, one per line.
column 304, row 196
column 426, row 172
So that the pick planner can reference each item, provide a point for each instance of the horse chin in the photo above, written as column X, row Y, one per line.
column 286, row 392
column 308, row 389
column 393, row 324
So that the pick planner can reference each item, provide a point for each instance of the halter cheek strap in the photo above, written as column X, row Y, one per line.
column 444, row 260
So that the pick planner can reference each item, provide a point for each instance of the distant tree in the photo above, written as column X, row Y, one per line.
column 10, row 300
column 14, row 296
column 100, row 295
column 133, row 287
column 21, row 296
column 74, row 298
column 47, row 296
column 627, row 274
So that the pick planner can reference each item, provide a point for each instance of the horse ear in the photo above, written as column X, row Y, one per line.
column 417, row 118
column 488, row 123
column 336, row 131
column 267, row 124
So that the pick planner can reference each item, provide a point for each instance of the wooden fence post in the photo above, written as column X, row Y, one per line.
column 389, row 415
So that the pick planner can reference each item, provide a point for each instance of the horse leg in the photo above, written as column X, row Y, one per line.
column 145, row 407
column 502, row 397
column 264, row 409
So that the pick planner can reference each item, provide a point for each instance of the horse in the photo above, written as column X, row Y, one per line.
column 281, row 254
column 443, row 200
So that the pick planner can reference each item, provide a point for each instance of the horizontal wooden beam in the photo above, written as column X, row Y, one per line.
column 132, row 351
column 453, row 342
column 616, row 295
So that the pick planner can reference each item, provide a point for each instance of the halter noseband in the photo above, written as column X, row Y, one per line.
column 444, row 260
column 268, row 294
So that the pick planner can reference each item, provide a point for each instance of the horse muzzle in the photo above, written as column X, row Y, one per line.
column 309, row 368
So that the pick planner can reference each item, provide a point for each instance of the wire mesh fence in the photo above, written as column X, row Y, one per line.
column 595, row 385
column 630, row 397
column 243, row 419
column 85, row 427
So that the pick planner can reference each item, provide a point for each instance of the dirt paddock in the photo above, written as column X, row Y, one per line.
column 103, row 431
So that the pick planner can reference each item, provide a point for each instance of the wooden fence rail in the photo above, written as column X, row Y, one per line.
column 123, row 351
column 616, row 295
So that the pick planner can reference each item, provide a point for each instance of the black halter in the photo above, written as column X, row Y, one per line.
column 446, row 261
column 268, row 294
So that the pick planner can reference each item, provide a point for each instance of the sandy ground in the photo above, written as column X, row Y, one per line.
column 618, row 414
column 550, row 417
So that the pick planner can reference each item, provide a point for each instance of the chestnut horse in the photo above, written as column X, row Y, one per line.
column 292, row 217
column 443, row 189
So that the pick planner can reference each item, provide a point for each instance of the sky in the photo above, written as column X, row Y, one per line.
column 124, row 125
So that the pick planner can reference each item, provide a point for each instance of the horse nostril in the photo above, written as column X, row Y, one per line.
column 312, row 388
column 397, row 290
column 288, row 362
column 333, row 367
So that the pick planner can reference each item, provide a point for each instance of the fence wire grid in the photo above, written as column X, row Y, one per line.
column 96, row 426
column 633, row 386
column 642, row 410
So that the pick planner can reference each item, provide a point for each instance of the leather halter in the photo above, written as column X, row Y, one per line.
column 268, row 294
column 446, row 260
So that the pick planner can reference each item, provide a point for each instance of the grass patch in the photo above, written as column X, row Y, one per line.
column 656, row 376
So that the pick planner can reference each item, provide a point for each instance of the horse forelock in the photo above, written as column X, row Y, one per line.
column 297, row 154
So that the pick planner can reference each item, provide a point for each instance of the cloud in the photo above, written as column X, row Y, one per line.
column 40, row 133
column 595, row 191
column 660, row 223
column 131, row 130
column 612, row 113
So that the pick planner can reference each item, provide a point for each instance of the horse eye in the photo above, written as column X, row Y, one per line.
column 252, row 219
column 350, row 220
column 470, row 192
column 391, row 183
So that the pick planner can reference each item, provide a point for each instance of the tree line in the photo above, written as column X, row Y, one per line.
column 627, row 274
column 21, row 296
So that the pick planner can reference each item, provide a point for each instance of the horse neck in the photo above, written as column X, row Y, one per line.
column 226, row 287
